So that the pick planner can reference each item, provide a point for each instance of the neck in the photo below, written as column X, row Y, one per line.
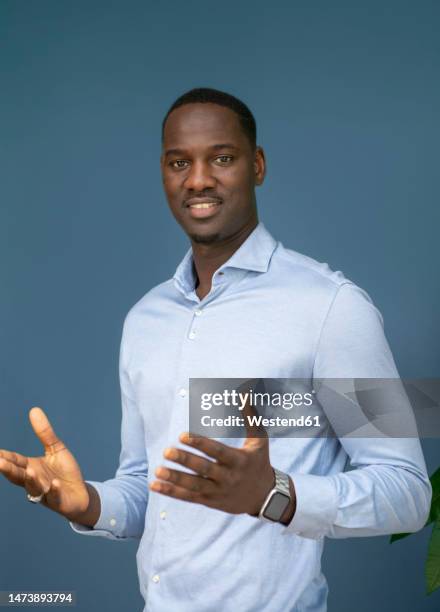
column 209, row 257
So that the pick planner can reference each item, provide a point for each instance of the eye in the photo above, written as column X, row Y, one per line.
column 178, row 162
column 224, row 158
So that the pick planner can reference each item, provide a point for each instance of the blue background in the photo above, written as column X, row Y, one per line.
column 346, row 97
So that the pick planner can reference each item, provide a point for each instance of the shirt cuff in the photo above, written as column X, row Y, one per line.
column 316, row 506
column 112, row 519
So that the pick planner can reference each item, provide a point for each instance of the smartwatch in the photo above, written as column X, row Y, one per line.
column 277, row 500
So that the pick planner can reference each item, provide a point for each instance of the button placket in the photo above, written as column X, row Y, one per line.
column 192, row 334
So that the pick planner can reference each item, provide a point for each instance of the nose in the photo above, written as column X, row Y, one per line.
column 199, row 177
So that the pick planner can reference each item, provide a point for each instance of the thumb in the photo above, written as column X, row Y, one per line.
column 256, row 435
column 44, row 431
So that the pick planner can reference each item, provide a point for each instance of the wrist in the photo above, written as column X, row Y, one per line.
column 267, row 483
column 89, row 517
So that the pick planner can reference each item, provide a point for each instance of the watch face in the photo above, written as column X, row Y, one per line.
column 276, row 506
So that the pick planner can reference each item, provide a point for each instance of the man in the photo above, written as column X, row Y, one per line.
column 240, row 305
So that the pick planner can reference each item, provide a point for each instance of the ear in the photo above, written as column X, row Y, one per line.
column 259, row 166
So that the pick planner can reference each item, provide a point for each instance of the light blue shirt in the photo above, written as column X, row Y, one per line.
column 271, row 313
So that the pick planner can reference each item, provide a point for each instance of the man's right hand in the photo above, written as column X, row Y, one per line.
column 56, row 474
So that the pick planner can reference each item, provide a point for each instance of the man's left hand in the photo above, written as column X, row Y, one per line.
column 235, row 480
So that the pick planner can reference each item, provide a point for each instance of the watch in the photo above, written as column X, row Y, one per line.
column 277, row 500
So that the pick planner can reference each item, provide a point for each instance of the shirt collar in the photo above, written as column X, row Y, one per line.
column 254, row 254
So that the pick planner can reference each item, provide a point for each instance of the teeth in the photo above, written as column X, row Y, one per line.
column 204, row 205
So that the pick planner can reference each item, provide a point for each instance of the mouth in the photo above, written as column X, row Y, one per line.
column 202, row 208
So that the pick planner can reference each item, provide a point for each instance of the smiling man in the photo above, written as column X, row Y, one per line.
column 236, row 526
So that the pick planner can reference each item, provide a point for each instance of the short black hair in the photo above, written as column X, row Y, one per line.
column 215, row 96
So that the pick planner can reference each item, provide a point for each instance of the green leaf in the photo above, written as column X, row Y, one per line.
column 432, row 567
column 435, row 503
column 398, row 536
column 434, row 513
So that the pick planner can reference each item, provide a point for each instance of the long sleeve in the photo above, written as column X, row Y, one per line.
column 389, row 491
column 124, row 498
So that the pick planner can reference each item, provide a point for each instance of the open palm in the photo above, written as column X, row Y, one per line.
column 56, row 474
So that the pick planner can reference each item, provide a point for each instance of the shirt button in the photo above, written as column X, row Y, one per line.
column 163, row 514
column 155, row 578
column 182, row 393
column 197, row 313
column 112, row 522
column 192, row 335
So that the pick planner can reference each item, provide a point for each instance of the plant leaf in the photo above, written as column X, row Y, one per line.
column 435, row 503
column 434, row 513
column 398, row 536
column 432, row 567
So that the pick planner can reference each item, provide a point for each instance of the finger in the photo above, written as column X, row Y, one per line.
column 172, row 490
column 33, row 485
column 15, row 458
column 202, row 466
column 190, row 482
column 12, row 472
column 40, row 424
column 217, row 450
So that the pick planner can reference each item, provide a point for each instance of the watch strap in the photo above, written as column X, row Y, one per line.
column 282, row 482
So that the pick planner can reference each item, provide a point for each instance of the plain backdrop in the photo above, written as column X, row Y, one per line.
column 346, row 97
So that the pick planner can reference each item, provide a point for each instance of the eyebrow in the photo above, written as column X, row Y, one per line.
column 223, row 145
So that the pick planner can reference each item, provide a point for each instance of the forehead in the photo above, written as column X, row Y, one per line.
column 194, row 125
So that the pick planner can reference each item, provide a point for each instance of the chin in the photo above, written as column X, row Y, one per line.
column 205, row 238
